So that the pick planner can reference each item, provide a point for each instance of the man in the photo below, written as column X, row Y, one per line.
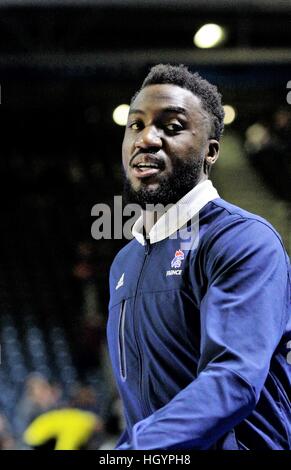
column 198, row 332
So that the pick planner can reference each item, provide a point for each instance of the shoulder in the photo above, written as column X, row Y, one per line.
column 232, row 219
column 231, row 211
column 235, row 233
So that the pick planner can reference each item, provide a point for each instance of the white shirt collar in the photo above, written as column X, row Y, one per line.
column 178, row 215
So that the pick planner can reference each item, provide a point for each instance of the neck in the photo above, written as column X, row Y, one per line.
column 150, row 218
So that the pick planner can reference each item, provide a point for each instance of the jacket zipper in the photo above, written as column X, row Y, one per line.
column 146, row 409
column 121, row 341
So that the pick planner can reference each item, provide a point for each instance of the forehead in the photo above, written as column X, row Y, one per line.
column 158, row 97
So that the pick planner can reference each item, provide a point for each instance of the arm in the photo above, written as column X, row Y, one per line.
column 243, row 314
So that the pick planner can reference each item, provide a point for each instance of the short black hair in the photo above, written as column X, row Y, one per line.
column 181, row 76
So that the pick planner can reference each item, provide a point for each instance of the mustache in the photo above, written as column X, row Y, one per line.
column 150, row 155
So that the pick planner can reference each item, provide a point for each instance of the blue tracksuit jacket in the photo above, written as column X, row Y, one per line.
column 200, row 340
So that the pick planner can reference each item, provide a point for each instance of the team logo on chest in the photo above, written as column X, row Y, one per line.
column 176, row 263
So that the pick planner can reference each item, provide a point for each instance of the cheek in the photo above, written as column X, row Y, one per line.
column 195, row 148
column 187, row 151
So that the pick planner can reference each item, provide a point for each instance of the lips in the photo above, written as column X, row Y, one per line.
column 145, row 173
column 145, row 165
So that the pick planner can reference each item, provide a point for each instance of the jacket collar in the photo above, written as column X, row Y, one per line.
column 178, row 215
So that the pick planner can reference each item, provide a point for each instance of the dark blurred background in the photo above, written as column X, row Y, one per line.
column 64, row 67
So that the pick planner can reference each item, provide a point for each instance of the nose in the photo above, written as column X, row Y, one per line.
column 148, row 137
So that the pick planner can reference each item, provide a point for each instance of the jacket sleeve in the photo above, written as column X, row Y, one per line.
column 243, row 315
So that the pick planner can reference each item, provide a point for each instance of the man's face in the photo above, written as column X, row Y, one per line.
column 165, row 144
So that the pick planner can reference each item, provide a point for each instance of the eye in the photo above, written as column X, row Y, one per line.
column 135, row 126
column 173, row 127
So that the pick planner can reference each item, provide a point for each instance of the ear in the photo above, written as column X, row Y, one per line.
column 213, row 152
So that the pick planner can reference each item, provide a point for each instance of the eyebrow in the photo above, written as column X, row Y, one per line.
column 168, row 109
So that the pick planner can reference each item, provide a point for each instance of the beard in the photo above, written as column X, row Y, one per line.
column 171, row 189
